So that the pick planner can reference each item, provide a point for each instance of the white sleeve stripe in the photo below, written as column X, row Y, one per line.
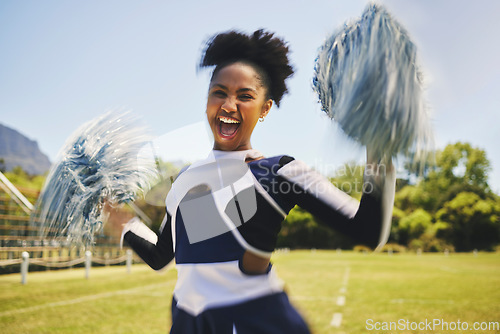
column 164, row 221
column 316, row 184
column 388, row 194
column 172, row 229
column 140, row 229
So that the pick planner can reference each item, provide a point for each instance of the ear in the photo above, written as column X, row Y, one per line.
column 266, row 108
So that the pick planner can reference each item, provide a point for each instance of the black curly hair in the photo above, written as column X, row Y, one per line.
column 266, row 53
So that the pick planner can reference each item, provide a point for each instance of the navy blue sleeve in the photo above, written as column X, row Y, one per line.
column 365, row 221
column 157, row 254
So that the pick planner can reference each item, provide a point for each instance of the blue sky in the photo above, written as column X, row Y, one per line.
column 63, row 63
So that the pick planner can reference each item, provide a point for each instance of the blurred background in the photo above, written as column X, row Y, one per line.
column 64, row 63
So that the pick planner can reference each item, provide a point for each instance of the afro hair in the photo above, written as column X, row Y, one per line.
column 263, row 49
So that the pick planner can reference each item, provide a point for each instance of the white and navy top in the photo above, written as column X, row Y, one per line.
column 221, row 207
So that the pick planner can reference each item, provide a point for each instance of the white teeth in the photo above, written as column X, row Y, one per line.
column 228, row 120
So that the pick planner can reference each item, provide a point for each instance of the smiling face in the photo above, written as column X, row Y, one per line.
column 236, row 101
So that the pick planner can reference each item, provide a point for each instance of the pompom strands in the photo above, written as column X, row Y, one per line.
column 368, row 81
column 100, row 162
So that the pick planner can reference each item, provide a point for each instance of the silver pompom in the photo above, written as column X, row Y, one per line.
column 367, row 78
column 100, row 162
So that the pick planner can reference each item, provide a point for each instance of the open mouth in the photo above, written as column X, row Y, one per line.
column 228, row 126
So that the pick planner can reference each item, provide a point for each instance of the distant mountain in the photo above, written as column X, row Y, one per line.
column 18, row 150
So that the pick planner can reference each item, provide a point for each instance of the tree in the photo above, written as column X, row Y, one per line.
column 414, row 225
column 459, row 168
column 453, row 200
column 412, row 197
column 20, row 178
column 301, row 230
column 460, row 162
column 349, row 179
column 469, row 222
column 153, row 203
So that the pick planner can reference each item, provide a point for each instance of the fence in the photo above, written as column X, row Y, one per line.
column 88, row 259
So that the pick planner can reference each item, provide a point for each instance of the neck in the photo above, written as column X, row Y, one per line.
column 249, row 154
column 244, row 147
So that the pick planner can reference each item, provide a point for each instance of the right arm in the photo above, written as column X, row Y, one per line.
column 156, row 251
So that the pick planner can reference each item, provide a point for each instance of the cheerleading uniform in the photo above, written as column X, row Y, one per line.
column 213, row 219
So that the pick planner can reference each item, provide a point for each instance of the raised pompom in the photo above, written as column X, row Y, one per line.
column 100, row 162
column 367, row 78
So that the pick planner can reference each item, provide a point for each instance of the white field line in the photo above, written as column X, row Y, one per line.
column 421, row 301
column 337, row 317
column 336, row 320
column 82, row 299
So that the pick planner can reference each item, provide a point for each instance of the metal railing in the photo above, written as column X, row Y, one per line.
column 88, row 259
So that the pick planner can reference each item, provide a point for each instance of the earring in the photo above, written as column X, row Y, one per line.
column 261, row 119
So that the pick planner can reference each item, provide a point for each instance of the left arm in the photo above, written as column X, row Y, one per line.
column 368, row 221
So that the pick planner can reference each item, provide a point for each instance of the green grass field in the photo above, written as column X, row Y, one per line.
column 401, row 287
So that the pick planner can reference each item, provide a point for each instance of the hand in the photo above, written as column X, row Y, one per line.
column 116, row 215
column 254, row 264
column 377, row 169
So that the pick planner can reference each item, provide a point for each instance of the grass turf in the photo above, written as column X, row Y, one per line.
column 383, row 288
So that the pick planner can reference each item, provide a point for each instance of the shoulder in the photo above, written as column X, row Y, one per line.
column 183, row 169
column 279, row 160
column 285, row 159
column 273, row 166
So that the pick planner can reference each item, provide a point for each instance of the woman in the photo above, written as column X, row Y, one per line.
column 224, row 213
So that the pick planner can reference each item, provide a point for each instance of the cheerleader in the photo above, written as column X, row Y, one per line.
column 224, row 213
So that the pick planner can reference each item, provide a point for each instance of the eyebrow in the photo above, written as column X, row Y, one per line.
column 241, row 90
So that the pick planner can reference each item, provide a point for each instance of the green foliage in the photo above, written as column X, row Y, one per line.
column 2, row 165
column 414, row 225
column 429, row 243
column 394, row 248
column 469, row 222
column 20, row 178
column 301, row 230
column 455, row 195
column 397, row 215
column 450, row 207
column 349, row 179
column 459, row 167
column 361, row 249
column 153, row 203
column 411, row 197
column 460, row 162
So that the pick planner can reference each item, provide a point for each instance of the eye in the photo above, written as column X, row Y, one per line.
column 219, row 93
column 246, row 97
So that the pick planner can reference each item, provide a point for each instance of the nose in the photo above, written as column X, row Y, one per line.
column 229, row 104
